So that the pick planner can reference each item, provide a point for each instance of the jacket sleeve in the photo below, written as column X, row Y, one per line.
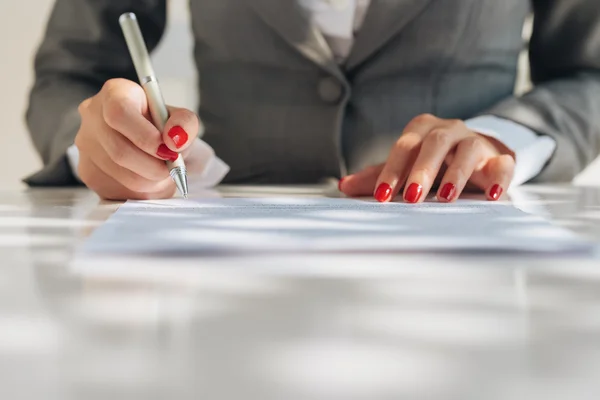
column 83, row 47
column 565, row 70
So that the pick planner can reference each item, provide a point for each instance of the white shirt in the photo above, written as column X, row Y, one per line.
column 340, row 20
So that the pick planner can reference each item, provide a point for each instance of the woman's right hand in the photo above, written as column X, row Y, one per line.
column 121, row 153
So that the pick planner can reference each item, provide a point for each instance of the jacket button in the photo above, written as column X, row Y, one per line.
column 330, row 90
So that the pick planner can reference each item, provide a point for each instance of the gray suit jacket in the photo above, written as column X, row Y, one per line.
column 277, row 108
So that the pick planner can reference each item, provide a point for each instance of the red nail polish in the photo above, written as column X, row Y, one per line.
column 166, row 153
column 178, row 135
column 413, row 193
column 448, row 191
column 383, row 193
column 496, row 192
column 340, row 183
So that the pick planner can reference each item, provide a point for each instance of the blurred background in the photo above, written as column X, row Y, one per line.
column 22, row 29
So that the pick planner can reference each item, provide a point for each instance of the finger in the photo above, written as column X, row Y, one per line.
column 361, row 183
column 434, row 150
column 125, row 154
column 402, row 156
column 123, row 109
column 128, row 178
column 182, row 128
column 495, row 176
column 470, row 152
column 395, row 170
column 109, row 189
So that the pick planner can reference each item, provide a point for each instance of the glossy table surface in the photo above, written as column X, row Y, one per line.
column 389, row 326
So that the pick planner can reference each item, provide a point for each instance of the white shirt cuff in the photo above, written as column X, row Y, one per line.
column 532, row 151
column 73, row 158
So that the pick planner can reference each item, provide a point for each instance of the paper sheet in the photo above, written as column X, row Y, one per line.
column 215, row 226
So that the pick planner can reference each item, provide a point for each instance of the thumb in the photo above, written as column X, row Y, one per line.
column 495, row 176
column 182, row 129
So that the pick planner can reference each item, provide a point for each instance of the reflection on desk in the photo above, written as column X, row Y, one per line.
column 288, row 327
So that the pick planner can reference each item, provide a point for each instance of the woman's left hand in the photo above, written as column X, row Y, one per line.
column 431, row 148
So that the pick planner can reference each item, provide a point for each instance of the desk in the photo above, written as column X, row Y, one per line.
column 315, row 327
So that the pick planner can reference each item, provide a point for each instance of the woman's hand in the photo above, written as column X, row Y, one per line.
column 433, row 149
column 122, row 154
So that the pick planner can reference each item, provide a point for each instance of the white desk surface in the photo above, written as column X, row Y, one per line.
column 395, row 326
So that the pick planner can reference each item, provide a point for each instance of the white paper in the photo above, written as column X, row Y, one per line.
column 225, row 226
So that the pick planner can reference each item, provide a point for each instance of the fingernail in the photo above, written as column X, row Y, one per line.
column 178, row 135
column 413, row 193
column 340, row 183
column 496, row 192
column 448, row 191
column 383, row 193
column 166, row 153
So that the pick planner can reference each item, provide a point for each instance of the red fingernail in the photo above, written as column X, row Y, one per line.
column 166, row 153
column 448, row 191
column 383, row 193
column 178, row 135
column 413, row 193
column 496, row 192
column 340, row 183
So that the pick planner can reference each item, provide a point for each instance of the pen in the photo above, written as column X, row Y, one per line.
column 156, row 104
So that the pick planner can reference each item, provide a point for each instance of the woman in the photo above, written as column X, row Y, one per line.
column 396, row 97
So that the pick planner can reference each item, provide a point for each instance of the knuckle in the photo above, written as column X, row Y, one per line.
column 407, row 142
column 84, row 106
column 109, row 86
column 473, row 144
column 439, row 137
column 459, row 172
column 456, row 123
column 112, row 85
column 424, row 118
column 424, row 171
column 115, row 109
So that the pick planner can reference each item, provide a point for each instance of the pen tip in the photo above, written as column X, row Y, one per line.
column 179, row 176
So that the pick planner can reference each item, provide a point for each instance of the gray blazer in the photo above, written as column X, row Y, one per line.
column 278, row 109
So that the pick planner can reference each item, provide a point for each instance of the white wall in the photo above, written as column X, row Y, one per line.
column 21, row 27
column 19, row 32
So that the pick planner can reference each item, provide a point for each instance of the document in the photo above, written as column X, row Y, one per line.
column 228, row 226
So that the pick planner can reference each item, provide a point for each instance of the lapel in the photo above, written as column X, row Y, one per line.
column 384, row 19
column 291, row 23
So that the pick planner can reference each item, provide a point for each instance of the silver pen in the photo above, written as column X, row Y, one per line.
column 156, row 104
